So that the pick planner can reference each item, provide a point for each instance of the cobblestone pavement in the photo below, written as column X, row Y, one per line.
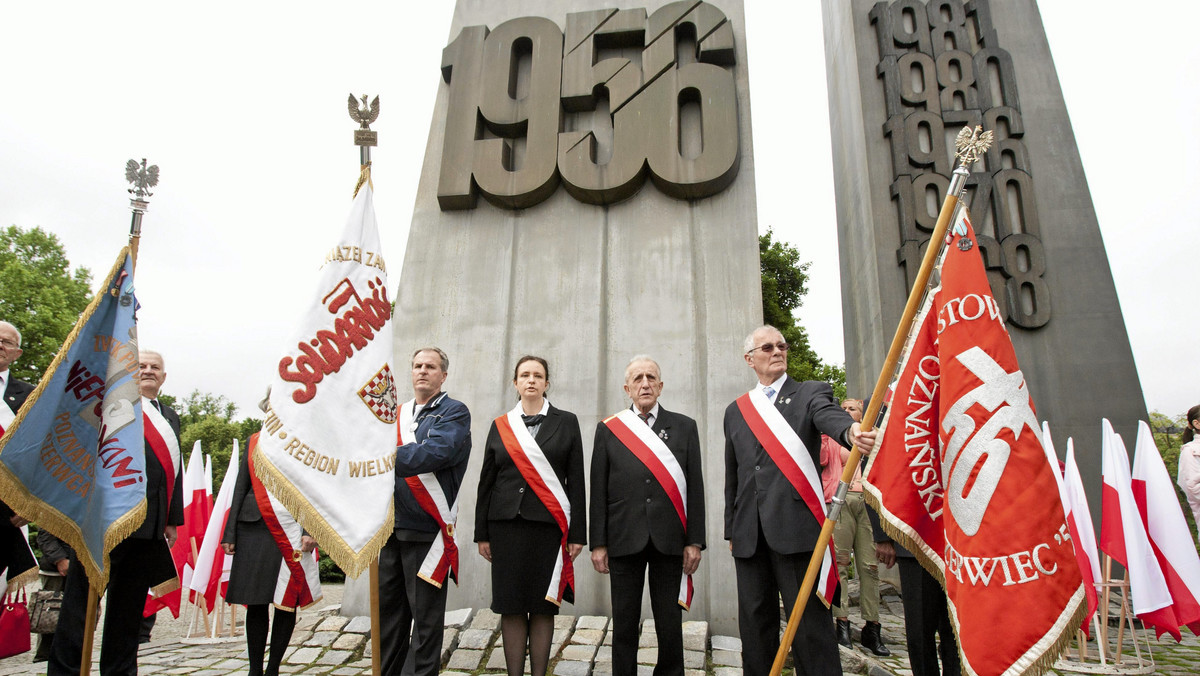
column 326, row 643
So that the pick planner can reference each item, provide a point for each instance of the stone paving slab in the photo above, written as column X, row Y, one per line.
column 582, row 648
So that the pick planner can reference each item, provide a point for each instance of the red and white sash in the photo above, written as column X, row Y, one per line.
column 535, row 468
column 7, row 415
column 299, row 582
column 637, row 436
column 792, row 458
column 442, row 558
column 162, row 441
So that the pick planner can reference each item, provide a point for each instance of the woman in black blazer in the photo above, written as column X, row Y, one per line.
column 255, row 572
column 516, row 531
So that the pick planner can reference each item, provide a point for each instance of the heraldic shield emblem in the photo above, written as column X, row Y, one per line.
column 379, row 394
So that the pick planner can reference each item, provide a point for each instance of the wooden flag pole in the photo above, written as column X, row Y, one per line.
column 89, row 631
column 971, row 147
column 376, row 658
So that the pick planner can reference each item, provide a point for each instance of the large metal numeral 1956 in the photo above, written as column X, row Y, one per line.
column 514, row 89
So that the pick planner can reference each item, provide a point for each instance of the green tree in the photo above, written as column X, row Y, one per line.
column 208, row 418
column 40, row 295
column 784, row 285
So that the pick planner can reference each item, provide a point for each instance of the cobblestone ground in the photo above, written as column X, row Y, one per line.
column 326, row 643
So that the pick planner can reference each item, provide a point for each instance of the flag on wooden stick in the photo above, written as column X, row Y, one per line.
column 328, row 444
column 73, row 460
column 960, row 477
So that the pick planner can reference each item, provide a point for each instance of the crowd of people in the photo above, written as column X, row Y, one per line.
column 645, row 520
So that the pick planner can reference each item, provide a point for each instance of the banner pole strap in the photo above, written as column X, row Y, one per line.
column 970, row 147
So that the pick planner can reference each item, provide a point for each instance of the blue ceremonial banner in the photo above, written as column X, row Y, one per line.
column 73, row 460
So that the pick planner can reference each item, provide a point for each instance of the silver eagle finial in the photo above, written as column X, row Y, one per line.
column 971, row 144
column 142, row 178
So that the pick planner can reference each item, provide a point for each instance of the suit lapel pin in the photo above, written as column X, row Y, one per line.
column 787, row 401
column 663, row 435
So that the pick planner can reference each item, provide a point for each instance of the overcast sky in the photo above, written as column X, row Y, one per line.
column 243, row 106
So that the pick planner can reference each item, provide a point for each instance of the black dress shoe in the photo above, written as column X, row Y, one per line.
column 843, row 633
column 872, row 639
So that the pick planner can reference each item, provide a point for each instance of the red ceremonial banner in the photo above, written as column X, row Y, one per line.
column 960, row 478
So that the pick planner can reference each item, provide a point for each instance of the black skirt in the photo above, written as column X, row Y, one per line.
column 256, row 562
column 523, row 555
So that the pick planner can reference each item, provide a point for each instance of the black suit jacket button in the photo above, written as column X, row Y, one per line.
column 647, row 481
column 647, row 501
column 520, row 490
column 756, row 468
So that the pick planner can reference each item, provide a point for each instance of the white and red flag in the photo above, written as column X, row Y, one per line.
column 1170, row 538
column 1083, row 533
column 1070, row 508
column 212, row 566
column 331, row 412
column 960, row 477
column 1123, row 537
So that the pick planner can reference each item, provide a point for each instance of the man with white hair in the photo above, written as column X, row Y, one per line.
column 14, row 549
column 774, row 506
column 647, row 511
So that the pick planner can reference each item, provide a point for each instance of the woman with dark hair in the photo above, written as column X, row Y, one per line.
column 255, row 570
column 530, row 520
column 1189, row 462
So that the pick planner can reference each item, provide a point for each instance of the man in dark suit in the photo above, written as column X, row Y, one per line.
column 926, row 617
column 14, row 549
column 636, row 524
column 772, row 531
column 138, row 563
column 412, row 609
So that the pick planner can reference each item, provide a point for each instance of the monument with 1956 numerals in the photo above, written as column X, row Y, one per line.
column 587, row 196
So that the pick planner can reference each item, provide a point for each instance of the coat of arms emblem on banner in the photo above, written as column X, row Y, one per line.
column 379, row 394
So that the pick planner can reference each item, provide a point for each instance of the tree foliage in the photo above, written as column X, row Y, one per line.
column 784, row 285
column 40, row 295
column 208, row 418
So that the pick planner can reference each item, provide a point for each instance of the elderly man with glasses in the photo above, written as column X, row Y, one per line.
column 774, row 507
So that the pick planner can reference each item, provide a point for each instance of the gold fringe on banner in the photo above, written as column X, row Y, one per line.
column 43, row 514
column 364, row 176
column 352, row 563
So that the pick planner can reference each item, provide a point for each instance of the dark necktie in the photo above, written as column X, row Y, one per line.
column 154, row 403
column 645, row 417
column 532, row 420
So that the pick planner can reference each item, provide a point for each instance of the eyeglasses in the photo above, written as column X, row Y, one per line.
column 11, row 345
column 768, row 348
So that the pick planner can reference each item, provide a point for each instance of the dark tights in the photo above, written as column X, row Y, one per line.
column 532, row 630
column 256, row 637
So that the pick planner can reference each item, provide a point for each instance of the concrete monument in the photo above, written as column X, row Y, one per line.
column 904, row 77
column 610, row 142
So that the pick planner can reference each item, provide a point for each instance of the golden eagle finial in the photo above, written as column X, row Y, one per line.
column 363, row 114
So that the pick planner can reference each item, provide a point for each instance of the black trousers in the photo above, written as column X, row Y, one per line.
column 761, row 579
column 627, row 575
column 926, row 617
column 412, row 612
column 125, row 600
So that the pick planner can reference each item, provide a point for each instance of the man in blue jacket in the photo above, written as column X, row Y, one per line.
column 436, row 438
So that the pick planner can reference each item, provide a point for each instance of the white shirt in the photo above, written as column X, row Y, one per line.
column 777, row 385
column 651, row 418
